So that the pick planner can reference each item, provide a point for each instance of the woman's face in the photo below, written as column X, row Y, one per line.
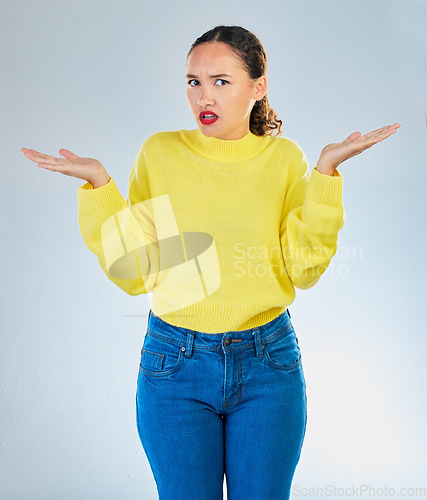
column 217, row 83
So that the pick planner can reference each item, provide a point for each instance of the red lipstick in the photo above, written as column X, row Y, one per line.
column 208, row 117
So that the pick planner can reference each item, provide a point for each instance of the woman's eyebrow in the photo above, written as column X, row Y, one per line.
column 210, row 76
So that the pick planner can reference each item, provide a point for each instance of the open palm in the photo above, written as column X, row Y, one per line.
column 88, row 169
column 334, row 154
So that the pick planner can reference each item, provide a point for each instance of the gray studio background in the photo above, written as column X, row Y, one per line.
column 98, row 78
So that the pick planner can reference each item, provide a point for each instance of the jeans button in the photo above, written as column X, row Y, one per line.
column 227, row 341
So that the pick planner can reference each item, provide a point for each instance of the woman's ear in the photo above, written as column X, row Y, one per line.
column 260, row 89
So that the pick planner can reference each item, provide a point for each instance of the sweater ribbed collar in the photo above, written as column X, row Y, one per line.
column 225, row 150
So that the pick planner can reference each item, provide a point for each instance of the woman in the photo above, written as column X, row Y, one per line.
column 221, row 224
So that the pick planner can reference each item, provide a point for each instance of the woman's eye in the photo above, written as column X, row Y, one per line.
column 219, row 80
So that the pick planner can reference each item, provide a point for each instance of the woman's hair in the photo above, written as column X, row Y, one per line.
column 248, row 48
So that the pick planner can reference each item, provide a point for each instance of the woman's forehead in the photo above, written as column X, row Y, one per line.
column 213, row 58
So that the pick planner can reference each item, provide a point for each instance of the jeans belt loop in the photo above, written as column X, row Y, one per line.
column 258, row 345
column 189, row 346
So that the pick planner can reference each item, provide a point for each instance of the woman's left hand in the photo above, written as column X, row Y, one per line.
column 334, row 154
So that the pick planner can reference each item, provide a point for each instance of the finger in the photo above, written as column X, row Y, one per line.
column 372, row 135
column 68, row 154
column 52, row 168
column 32, row 153
column 36, row 156
column 378, row 131
column 353, row 136
column 29, row 152
column 383, row 130
column 366, row 142
column 383, row 135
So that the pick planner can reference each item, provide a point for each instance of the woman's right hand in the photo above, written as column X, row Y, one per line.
column 88, row 169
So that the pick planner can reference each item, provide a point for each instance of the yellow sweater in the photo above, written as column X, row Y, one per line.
column 220, row 231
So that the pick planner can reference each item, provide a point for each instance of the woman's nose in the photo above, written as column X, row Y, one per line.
column 205, row 99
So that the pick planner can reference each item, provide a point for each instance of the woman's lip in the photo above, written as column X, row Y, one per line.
column 208, row 121
column 207, row 113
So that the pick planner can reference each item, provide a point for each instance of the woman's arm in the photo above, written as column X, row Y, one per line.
column 121, row 233
column 313, row 214
column 313, row 211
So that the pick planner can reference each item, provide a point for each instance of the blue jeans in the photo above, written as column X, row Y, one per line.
column 231, row 403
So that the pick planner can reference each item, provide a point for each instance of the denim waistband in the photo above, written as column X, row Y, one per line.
column 177, row 335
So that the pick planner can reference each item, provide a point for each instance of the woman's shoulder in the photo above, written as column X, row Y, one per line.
column 162, row 137
column 288, row 145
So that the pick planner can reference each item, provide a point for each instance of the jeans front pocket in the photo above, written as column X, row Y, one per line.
column 281, row 350
column 159, row 357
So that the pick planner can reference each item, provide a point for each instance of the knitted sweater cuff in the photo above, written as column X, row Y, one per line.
column 324, row 188
column 103, row 200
